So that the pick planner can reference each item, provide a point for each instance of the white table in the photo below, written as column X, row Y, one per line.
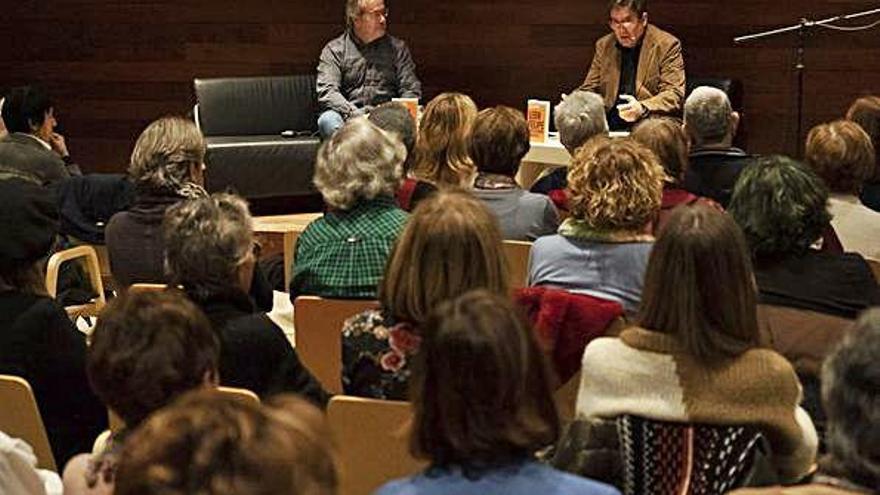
column 549, row 154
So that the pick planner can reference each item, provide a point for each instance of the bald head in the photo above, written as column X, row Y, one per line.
column 709, row 118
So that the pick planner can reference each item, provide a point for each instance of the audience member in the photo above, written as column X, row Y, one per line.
column 167, row 166
column 578, row 117
column 394, row 117
column 208, row 252
column 866, row 112
column 499, row 141
column 841, row 153
column 146, row 350
column 451, row 244
column 19, row 474
column 444, row 133
column 38, row 342
column 781, row 207
column 807, row 297
column 666, row 138
column 694, row 357
column 715, row 163
column 850, row 392
column 480, row 429
column 32, row 145
column 211, row 444
column 343, row 253
column 363, row 67
column 602, row 248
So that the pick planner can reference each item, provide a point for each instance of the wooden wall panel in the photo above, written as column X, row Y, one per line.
column 115, row 65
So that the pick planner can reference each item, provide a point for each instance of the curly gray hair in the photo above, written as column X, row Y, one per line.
column 578, row 117
column 360, row 162
column 206, row 240
column 165, row 153
column 353, row 9
column 851, row 395
column 707, row 115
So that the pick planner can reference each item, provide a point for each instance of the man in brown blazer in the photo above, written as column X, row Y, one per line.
column 638, row 68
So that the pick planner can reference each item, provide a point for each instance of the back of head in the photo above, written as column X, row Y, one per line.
column 579, row 117
column 359, row 162
column 699, row 286
column 780, row 205
column 29, row 225
column 851, row 397
column 444, row 132
column 615, row 185
column 451, row 244
column 206, row 240
column 25, row 107
column 708, row 116
column 394, row 117
column 497, row 411
column 666, row 138
column 165, row 155
column 148, row 348
column 842, row 154
column 499, row 140
column 213, row 444
column 866, row 112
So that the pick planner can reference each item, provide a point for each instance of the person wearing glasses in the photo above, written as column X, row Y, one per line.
column 638, row 68
column 363, row 67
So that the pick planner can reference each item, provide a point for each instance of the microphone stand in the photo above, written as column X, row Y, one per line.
column 802, row 27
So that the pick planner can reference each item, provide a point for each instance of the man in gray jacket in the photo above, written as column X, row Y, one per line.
column 363, row 67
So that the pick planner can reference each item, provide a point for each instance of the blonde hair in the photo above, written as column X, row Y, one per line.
column 211, row 443
column 615, row 184
column 360, row 162
column 444, row 133
column 451, row 244
column 165, row 153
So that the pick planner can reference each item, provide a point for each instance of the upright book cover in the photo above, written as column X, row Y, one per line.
column 538, row 116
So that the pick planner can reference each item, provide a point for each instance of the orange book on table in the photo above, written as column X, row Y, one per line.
column 538, row 117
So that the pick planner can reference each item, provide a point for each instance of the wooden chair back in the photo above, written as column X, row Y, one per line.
column 875, row 268
column 91, row 265
column 317, row 324
column 20, row 418
column 517, row 254
column 145, row 287
column 374, row 442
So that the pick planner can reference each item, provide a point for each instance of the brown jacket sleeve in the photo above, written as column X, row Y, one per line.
column 670, row 86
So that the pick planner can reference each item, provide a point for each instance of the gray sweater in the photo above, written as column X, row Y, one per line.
column 523, row 216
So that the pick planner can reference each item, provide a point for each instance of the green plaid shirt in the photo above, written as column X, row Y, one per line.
column 343, row 253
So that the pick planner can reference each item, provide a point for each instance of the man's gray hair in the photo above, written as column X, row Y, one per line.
column 205, row 241
column 578, row 117
column 360, row 162
column 707, row 115
column 851, row 397
column 353, row 9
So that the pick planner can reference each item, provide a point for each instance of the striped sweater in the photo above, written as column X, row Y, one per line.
column 648, row 374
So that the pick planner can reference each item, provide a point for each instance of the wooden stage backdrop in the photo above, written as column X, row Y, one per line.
column 114, row 65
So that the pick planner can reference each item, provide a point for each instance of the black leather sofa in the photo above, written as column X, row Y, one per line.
column 243, row 118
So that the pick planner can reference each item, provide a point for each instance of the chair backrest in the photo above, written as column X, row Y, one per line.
column 517, row 254
column 92, row 266
column 317, row 324
column 664, row 458
column 20, row 418
column 145, row 287
column 875, row 268
column 242, row 106
column 374, row 442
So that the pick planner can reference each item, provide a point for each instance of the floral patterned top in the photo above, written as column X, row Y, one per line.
column 376, row 355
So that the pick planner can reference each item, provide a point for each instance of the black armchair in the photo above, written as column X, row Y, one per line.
column 243, row 118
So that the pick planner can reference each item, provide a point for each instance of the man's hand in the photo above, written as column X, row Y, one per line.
column 632, row 110
column 58, row 144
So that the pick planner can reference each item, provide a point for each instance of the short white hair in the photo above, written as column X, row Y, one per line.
column 578, row 117
column 707, row 114
column 360, row 162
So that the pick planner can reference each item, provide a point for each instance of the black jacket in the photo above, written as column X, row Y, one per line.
column 254, row 352
column 39, row 343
